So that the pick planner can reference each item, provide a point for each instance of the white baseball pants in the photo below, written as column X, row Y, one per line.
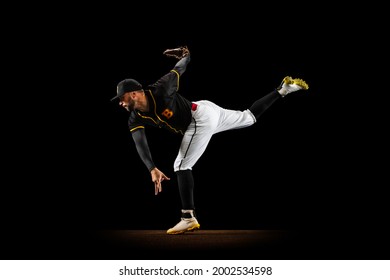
column 207, row 120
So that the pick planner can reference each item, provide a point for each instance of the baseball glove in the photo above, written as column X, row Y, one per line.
column 178, row 53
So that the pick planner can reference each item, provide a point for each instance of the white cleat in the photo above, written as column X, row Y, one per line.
column 188, row 223
column 289, row 85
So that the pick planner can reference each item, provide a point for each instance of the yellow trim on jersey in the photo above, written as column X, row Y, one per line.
column 155, row 106
column 137, row 127
column 146, row 117
column 178, row 78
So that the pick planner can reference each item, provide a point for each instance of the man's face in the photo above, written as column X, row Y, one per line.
column 127, row 102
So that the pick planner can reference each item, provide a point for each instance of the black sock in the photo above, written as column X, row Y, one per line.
column 185, row 181
column 259, row 107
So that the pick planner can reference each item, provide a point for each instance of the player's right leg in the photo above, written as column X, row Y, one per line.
column 287, row 86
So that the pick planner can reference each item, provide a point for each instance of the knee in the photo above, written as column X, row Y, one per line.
column 181, row 167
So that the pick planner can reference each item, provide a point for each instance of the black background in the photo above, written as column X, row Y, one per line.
column 310, row 163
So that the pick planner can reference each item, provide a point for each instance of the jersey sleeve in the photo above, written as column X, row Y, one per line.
column 142, row 147
column 134, row 123
column 169, row 83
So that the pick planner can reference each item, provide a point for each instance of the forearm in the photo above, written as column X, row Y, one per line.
column 181, row 65
column 142, row 147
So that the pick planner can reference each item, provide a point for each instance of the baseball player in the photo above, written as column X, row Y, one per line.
column 160, row 105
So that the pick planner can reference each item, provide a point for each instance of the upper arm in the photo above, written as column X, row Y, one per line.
column 134, row 123
column 169, row 83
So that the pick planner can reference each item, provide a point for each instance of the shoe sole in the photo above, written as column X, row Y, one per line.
column 195, row 227
column 301, row 83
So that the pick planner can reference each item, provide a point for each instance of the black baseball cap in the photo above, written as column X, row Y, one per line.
column 126, row 85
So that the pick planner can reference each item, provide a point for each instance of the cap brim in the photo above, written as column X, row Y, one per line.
column 115, row 97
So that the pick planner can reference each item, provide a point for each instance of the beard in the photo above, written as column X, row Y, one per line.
column 130, row 106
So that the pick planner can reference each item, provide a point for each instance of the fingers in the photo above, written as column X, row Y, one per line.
column 157, row 183
column 157, row 187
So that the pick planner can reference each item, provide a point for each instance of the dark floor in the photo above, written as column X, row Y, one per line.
column 202, row 244
column 211, row 244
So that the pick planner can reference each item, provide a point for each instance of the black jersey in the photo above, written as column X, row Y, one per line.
column 167, row 108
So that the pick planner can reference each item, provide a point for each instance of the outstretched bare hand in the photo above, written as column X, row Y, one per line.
column 157, row 178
